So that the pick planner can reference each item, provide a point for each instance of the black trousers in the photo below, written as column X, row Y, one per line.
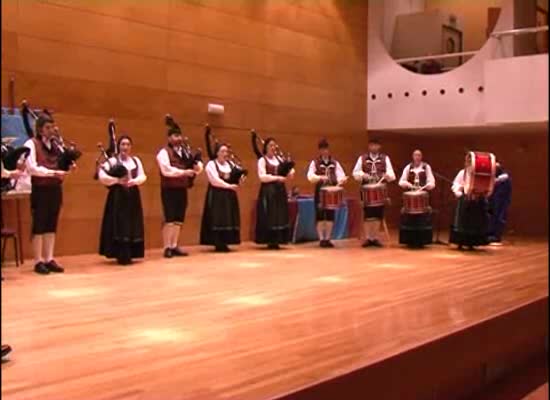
column 174, row 204
column 46, row 204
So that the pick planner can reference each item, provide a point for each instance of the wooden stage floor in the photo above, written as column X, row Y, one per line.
column 251, row 324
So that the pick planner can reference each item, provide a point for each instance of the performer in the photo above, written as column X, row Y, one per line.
column 176, row 177
column 499, row 201
column 373, row 167
column 416, row 227
column 325, row 171
column 221, row 222
column 122, row 233
column 471, row 219
column 46, row 194
column 6, row 349
column 272, row 219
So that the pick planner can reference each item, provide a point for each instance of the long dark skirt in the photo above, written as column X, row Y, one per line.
column 122, row 234
column 470, row 223
column 415, row 230
column 272, row 220
column 221, row 220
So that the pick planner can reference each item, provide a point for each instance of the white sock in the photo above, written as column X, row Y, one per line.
column 366, row 230
column 328, row 229
column 374, row 227
column 174, row 236
column 49, row 244
column 166, row 231
column 37, row 241
column 321, row 230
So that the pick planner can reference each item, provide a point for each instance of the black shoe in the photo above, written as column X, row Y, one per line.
column 124, row 261
column 322, row 243
column 54, row 267
column 168, row 253
column 329, row 244
column 177, row 252
column 471, row 248
column 41, row 268
column 367, row 243
column 273, row 246
column 222, row 248
column 6, row 349
column 376, row 243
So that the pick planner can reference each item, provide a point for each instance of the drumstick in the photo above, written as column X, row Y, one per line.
column 422, row 188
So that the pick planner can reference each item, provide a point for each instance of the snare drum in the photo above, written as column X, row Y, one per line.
column 416, row 202
column 479, row 175
column 374, row 194
column 332, row 197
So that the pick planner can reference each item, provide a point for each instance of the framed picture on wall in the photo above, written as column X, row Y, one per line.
column 542, row 37
column 451, row 43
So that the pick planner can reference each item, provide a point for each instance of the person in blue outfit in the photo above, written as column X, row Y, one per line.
column 499, row 202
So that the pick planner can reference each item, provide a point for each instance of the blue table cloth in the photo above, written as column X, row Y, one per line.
column 305, row 228
column 12, row 126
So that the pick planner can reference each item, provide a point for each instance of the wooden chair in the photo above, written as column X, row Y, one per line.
column 6, row 235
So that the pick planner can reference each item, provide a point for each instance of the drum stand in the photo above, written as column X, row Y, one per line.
column 442, row 206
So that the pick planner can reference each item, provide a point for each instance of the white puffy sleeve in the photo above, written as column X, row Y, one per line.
column 404, row 181
column 358, row 173
column 389, row 170
column 32, row 165
column 213, row 176
column 262, row 173
column 430, row 179
column 458, row 184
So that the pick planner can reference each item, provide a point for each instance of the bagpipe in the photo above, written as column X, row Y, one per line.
column 190, row 158
column 286, row 164
column 238, row 172
column 68, row 153
column 117, row 170
column 12, row 158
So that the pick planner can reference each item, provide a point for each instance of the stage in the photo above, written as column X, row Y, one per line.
column 258, row 324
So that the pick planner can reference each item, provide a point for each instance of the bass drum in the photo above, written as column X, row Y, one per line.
column 479, row 175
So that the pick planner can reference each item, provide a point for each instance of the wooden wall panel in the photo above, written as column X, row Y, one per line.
column 295, row 70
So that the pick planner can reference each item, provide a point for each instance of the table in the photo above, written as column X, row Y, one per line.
column 303, row 222
column 17, row 196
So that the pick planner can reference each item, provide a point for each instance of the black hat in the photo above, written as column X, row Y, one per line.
column 173, row 128
column 323, row 144
column 374, row 140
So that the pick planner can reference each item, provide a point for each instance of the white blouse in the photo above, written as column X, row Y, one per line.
column 130, row 165
column 213, row 175
column 314, row 178
column 32, row 166
column 430, row 180
column 359, row 175
column 262, row 170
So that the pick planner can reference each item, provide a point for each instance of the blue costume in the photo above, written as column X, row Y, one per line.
column 499, row 201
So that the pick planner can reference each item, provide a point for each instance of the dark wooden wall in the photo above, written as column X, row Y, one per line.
column 294, row 69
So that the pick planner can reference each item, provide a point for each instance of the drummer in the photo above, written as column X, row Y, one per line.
column 325, row 171
column 471, row 219
column 373, row 167
column 415, row 229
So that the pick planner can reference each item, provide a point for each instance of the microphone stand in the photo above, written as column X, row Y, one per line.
column 442, row 205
